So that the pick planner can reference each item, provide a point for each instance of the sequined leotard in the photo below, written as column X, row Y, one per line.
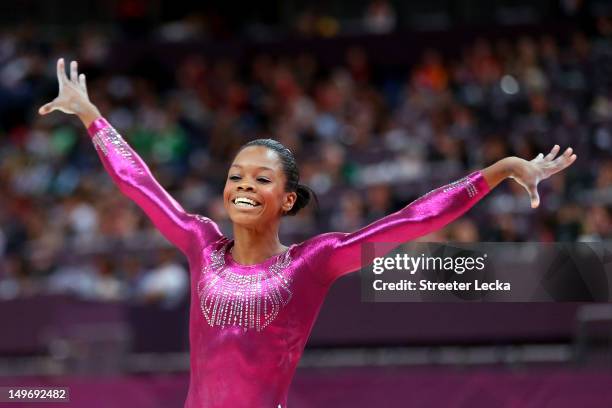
column 249, row 324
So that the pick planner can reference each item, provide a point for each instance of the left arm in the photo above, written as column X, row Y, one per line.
column 438, row 208
column 426, row 214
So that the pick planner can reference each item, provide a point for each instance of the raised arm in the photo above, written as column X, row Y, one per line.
column 188, row 232
column 436, row 209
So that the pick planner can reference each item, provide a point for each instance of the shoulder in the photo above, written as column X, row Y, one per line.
column 206, row 229
column 323, row 242
column 201, row 219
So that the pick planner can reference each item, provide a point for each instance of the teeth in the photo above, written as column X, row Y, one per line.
column 244, row 200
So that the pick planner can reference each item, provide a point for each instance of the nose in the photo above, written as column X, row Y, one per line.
column 245, row 187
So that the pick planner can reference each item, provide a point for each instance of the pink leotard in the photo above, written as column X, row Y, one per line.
column 249, row 323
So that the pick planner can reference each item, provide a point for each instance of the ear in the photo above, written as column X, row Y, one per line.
column 289, row 201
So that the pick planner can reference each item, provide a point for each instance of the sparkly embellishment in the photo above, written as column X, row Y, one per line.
column 108, row 136
column 202, row 218
column 98, row 143
column 465, row 181
column 250, row 301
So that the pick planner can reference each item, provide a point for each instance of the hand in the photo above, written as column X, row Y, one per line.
column 73, row 97
column 529, row 173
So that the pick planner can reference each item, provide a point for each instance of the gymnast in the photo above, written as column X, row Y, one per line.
column 254, row 300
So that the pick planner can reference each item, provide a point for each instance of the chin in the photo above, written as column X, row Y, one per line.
column 245, row 219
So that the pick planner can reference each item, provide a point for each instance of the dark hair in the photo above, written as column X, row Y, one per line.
column 304, row 193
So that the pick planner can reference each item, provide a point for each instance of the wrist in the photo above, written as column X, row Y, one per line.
column 89, row 114
column 509, row 166
column 499, row 171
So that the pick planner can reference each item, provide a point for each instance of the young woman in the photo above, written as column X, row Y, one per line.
column 254, row 300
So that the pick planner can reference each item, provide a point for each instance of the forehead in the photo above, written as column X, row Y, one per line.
column 256, row 157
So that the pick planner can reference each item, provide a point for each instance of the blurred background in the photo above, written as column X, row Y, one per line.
column 381, row 101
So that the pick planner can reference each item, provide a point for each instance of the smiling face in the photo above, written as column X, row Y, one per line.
column 254, row 193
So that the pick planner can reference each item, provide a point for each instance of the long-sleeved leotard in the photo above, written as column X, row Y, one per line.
column 249, row 323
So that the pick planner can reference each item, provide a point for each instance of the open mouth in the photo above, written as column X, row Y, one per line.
column 243, row 202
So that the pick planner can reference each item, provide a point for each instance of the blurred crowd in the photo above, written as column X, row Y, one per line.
column 367, row 140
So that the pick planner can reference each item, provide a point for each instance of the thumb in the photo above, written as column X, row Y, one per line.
column 47, row 108
column 534, row 196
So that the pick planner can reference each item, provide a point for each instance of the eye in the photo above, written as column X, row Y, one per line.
column 234, row 178
column 263, row 180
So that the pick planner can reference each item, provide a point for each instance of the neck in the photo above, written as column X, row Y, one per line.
column 253, row 246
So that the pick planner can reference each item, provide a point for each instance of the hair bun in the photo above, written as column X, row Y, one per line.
column 304, row 195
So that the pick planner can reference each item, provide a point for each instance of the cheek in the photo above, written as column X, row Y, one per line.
column 268, row 195
column 226, row 193
column 277, row 196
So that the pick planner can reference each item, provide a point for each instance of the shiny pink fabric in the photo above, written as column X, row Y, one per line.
column 249, row 324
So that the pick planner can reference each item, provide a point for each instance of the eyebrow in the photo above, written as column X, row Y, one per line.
column 258, row 168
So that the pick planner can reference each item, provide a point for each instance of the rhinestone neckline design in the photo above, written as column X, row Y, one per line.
column 249, row 301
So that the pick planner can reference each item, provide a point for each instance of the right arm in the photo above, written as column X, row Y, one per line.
column 188, row 232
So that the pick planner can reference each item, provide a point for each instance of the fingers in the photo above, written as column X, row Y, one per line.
column 562, row 161
column 61, row 71
column 568, row 152
column 534, row 196
column 82, row 83
column 74, row 76
column 548, row 168
column 47, row 108
column 565, row 159
column 553, row 152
